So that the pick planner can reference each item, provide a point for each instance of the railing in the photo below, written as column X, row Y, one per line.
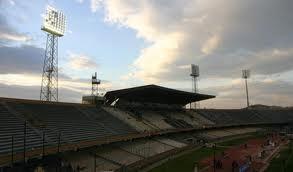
column 13, row 157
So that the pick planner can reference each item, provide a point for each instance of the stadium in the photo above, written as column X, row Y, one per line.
column 147, row 120
column 133, row 129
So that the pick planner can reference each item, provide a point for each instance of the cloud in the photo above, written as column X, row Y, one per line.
column 79, row 1
column 14, row 37
column 8, row 33
column 95, row 4
column 81, row 62
column 221, row 37
column 28, row 86
column 33, row 92
column 260, row 92
column 151, row 66
column 23, row 59
column 211, row 44
column 11, row 2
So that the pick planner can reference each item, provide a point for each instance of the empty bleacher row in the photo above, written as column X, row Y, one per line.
column 159, row 119
column 132, row 121
column 12, row 129
column 75, row 123
column 119, row 155
column 67, row 123
column 246, row 116
column 150, row 120
column 276, row 115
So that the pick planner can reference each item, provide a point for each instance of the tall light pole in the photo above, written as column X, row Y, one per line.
column 54, row 26
column 194, row 75
column 95, row 83
column 245, row 76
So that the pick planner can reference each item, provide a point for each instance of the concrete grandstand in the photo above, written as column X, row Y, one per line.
column 134, row 128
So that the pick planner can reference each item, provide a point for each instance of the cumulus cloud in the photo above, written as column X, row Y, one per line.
column 221, row 36
column 81, row 62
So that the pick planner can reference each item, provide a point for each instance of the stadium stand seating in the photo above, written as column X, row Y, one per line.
column 146, row 148
column 75, row 123
column 182, row 115
column 118, row 155
column 231, row 116
column 276, row 115
column 84, row 161
column 236, row 131
column 139, row 125
column 11, row 125
column 215, row 134
column 202, row 121
column 171, row 142
column 218, row 133
column 155, row 119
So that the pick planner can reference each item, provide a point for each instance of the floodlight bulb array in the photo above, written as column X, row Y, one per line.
column 194, row 70
column 245, row 74
column 54, row 22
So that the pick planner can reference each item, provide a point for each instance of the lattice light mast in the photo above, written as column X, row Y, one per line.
column 194, row 75
column 245, row 76
column 54, row 25
column 95, row 85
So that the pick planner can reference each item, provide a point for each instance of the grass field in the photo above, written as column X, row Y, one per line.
column 186, row 162
column 240, row 140
column 283, row 162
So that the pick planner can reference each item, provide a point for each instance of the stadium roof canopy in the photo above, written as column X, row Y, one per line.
column 154, row 94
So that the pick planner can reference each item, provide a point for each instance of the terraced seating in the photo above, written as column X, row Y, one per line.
column 146, row 148
column 139, row 125
column 231, row 116
column 10, row 125
column 86, row 162
column 156, row 119
column 236, row 131
column 119, row 155
column 178, row 123
column 276, row 115
column 247, row 116
column 171, row 142
column 219, row 133
column 103, row 165
column 105, row 119
column 182, row 115
column 202, row 121
column 67, row 120
column 75, row 122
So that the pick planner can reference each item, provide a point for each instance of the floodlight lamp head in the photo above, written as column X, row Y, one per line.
column 54, row 22
column 194, row 70
column 245, row 74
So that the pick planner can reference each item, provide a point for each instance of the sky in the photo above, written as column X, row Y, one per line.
column 136, row 42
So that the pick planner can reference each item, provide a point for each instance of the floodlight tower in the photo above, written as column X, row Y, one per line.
column 54, row 26
column 95, row 83
column 194, row 75
column 245, row 76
